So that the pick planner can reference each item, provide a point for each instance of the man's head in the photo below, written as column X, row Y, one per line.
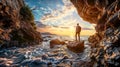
column 77, row 24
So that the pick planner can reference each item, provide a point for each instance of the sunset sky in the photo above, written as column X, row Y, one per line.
column 58, row 17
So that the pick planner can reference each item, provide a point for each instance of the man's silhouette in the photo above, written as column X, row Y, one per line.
column 77, row 34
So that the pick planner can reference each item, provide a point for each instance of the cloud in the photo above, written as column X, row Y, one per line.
column 87, row 29
column 56, row 16
column 40, row 24
column 67, row 16
column 65, row 27
column 59, row 17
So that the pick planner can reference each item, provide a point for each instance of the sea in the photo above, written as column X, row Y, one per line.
column 41, row 55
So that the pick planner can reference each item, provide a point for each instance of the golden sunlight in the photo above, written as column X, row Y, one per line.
column 65, row 31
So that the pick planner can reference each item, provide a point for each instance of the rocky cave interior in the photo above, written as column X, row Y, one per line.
column 104, row 13
column 106, row 40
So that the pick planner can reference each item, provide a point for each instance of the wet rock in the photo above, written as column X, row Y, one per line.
column 53, row 55
column 66, row 57
column 44, row 57
column 109, row 31
column 6, row 62
column 81, row 63
column 49, row 36
column 113, row 20
column 56, row 42
column 3, row 65
column 76, row 47
column 19, row 59
column 25, row 63
column 33, row 63
column 63, row 65
column 37, row 63
column 94, row 40
column 49, row 64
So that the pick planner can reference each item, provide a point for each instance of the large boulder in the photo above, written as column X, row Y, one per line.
column 76, row 47
column 56, row 42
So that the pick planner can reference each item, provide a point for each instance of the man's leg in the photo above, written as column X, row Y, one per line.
column 76, row 36
column 79, row 37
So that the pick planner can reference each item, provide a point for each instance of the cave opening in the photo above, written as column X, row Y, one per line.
column 54, row 42
column 60, row 19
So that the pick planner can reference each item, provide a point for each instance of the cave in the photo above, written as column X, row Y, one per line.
column 105, row 13
column 22, row 40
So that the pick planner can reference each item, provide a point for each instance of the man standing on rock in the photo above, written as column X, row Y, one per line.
column 77, row 34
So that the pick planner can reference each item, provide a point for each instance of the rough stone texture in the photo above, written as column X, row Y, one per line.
column 15, row 31
column 56, row 42
column 105, row 43
column 76, row 47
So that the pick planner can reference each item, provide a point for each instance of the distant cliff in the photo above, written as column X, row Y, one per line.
column 106, row 41
column 17, row 27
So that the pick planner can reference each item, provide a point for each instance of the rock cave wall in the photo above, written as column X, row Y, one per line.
column 106, row 41
column 14, row 29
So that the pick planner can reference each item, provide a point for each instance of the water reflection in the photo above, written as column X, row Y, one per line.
column 42, row 53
